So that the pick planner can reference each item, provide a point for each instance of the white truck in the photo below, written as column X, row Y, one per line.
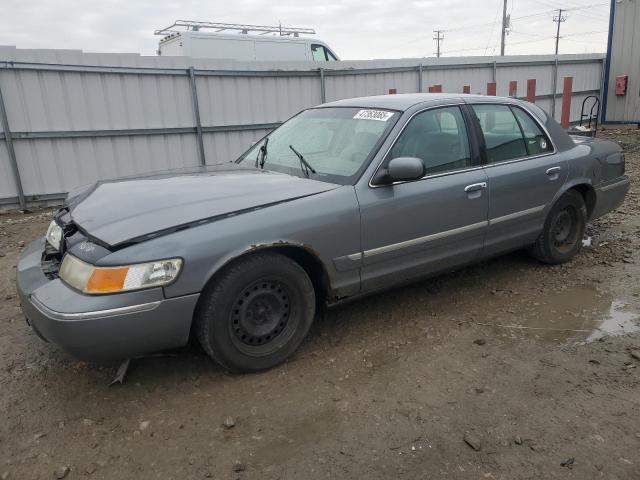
column 195, row 39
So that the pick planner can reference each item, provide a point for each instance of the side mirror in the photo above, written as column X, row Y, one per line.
column 401, row 169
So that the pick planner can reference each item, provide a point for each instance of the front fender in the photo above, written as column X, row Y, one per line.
column 326, row 226
column 273, row 245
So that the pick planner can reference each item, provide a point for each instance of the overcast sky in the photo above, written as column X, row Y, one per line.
column 355, row 29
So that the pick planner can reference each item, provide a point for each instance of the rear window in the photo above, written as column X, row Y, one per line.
column 510, row 133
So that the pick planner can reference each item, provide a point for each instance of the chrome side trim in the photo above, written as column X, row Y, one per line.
column 425, row 239
column 614, row 185
column 354, row 256
column 514, row 215
column 516, row 160
column 111, row 312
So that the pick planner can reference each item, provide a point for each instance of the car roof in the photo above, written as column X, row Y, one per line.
column 404, row 101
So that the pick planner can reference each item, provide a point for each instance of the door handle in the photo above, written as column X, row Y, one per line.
column 474, row 187
column 553, row 171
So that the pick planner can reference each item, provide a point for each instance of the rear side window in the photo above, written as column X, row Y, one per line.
column 535, row 139
column 502, row 134
column 438, row 137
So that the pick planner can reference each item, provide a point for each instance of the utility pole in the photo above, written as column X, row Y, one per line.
column 505, row 25
column 438, row 38
column 559, row 19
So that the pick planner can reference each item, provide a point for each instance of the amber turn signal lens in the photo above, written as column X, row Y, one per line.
column 107, row 280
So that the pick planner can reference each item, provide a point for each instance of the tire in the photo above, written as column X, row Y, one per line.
column 256, row 314
column 564, row 228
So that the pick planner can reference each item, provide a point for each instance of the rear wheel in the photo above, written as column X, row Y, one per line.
column 564, row 228
column 256, row 314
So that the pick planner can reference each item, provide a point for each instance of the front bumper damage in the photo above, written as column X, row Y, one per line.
column 99, row 327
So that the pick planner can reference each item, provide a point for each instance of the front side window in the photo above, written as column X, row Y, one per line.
column 319, row 53
column 502, row 135
column 438, row 137
column 335, row 142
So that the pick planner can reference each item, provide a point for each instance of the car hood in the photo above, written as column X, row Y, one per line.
column 120, row 211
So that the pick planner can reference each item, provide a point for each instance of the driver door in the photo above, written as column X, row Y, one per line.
column 410, row 229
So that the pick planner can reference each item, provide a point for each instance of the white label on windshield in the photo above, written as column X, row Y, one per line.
column 380, row 115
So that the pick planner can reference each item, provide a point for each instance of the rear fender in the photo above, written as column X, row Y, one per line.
column 583, row 184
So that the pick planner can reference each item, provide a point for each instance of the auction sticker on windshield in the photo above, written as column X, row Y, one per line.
column 380, row 115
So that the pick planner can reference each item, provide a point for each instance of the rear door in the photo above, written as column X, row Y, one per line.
column 524, row 173
column 413, row 228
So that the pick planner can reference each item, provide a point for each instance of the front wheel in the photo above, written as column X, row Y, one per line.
column 256, row 314
column 564, row 228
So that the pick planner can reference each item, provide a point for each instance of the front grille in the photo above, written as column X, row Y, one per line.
column 51, row 260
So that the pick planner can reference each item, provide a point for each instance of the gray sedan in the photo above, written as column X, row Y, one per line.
column 342, row 200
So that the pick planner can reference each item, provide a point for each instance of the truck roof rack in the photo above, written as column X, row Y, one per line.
column 194, row 26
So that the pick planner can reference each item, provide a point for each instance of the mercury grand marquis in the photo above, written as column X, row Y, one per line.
column 342, row 200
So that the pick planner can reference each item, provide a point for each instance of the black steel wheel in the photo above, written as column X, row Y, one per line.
column 561, row 238
column 260, row 317
column 256, row 313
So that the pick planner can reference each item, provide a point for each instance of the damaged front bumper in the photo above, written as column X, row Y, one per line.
column 100, row 327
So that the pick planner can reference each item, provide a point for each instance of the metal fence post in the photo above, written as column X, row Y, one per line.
column 323, row 92
column 8, row 139
column 495, row 71
column 196, row 112
column 420, row 78
column 602, row 93
column 555, row 89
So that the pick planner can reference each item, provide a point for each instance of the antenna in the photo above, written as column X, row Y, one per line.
column 195, row 26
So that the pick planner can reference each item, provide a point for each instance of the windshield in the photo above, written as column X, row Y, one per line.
column 335, row 142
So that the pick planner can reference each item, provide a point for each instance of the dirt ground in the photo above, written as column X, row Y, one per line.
column 505, row 370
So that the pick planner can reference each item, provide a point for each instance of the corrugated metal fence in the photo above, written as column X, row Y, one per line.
column 72, row 118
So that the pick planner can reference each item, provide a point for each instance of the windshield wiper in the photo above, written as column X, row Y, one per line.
column 304, row 165
column 262, row 154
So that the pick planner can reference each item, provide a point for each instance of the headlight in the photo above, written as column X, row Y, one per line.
column 54, row 235
column 91, row 279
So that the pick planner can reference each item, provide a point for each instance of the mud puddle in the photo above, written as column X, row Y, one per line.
column 577, row 314
column 619, row 321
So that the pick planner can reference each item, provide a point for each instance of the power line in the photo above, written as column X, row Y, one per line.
column 514, row 43
column 493, row 25
column 522, row 17
column 583, row 7
column 541, row 39
column 489, row 24
column 486, row 25
column 594, row 15
column 518, row 32
column 594, row 32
